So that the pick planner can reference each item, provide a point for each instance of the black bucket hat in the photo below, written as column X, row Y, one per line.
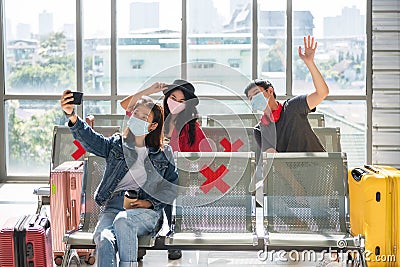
column 185, row 86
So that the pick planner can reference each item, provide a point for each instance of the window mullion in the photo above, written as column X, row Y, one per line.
column 289, row 45
column 254, row 43
column 3, row 168
column 113, row 55
column 184, row 46
column 79, row 52
column 368, row 82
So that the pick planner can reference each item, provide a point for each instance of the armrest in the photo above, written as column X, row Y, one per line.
column 42, row 191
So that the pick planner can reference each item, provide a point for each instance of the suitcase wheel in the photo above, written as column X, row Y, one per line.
column 58, row 260
column 91, row 260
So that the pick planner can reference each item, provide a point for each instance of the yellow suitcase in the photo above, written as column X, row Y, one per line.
column 374, row 195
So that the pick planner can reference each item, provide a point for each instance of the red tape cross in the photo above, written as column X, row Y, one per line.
column 79, row 152
column 214, row 179
column 231, row 147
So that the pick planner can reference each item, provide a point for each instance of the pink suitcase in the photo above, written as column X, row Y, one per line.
column 65, row 206
column 26, row 242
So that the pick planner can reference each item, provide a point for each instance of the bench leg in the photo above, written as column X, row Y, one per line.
column 69, row 256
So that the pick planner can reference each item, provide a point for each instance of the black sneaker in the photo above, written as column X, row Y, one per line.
column 174, row 254
column 140, row 255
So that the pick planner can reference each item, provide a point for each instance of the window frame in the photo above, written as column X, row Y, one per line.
column 114, row 97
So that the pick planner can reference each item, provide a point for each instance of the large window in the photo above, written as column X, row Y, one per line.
column 219, row 35
column 272, row 39
column 96, row 46
column 29, row 131
column 149, row 40
column 339, row 28
column 340, row 113
column 109, row 49
column 39, row 46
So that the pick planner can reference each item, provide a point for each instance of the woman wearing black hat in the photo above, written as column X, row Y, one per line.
column 181, row 125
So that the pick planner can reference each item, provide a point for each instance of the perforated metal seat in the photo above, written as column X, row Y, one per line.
column 93, row 172
column 214, row 204
column 306, row 201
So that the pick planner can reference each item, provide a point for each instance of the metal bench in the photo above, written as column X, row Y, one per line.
column 329, row 137
column 62, row 148
column 63, row 145
column 306, row 202
column 238, row 139
column 83, row 238
column 108, row 119
column 251, row 119
column 316, row 119
column 214, row 206
column 233, row 120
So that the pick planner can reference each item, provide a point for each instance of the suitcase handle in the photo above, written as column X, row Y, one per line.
column 44, row 222
column 357, row 174
column 73, row 215
column 371, row 168
column 32, row 220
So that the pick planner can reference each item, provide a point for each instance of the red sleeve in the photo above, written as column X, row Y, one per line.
column 201, row 142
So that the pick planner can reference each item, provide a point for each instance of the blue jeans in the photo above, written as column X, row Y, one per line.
column 118, row 231
column 168, row 213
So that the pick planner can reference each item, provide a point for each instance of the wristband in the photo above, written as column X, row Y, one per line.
column 69, row 115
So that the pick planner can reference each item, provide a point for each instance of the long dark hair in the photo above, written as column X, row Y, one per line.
column 186, row 117
column 154, row 138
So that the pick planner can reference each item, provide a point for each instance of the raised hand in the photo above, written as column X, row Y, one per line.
column 309, row 50
column 158, row 87
column 66, row 98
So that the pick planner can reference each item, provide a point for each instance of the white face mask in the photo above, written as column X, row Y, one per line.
column 174, row 106
column 137, row 126
column 259, row 102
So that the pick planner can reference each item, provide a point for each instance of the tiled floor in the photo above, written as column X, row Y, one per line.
column 18, row 199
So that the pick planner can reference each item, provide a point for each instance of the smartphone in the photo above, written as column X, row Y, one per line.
column 77, row 98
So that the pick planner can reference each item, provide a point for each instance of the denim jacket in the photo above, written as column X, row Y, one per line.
column 162, row 176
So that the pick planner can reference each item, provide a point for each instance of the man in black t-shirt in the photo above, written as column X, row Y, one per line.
column 285, row 127
column 292, row 132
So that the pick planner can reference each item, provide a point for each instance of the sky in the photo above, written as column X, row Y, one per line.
column 170, row 11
